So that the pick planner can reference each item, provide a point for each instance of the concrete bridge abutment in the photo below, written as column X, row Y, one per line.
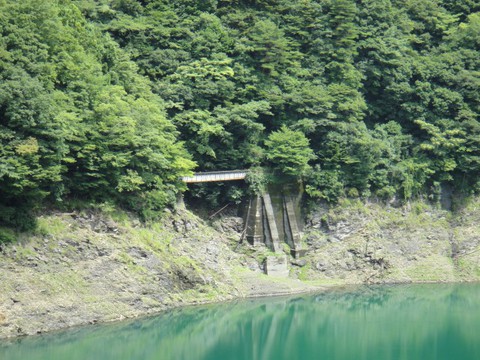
column 274, row 218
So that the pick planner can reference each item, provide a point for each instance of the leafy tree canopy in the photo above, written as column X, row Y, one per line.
column 289, row 151
column 117, row 99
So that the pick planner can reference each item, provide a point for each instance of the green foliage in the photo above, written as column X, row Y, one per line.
column 7, row 236
column 76, row 117
column 101, row 100
column 324, row 184
column 235, row 194
column 270, row 49
column 20, row 216
column 257, row 179
column 338, row 71
column 289, row 151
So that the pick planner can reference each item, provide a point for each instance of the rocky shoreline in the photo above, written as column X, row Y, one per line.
column 98, row 266
column 87, row 268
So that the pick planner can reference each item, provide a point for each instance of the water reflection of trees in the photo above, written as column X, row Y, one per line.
column 392, row 322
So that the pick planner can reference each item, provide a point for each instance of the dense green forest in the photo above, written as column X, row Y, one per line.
column 115, row 100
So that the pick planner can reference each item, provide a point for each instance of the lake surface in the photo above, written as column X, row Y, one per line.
column 381, row 322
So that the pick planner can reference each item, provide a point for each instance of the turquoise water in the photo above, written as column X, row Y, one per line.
column 381, row 322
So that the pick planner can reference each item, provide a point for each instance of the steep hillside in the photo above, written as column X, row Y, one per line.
column 102, row 265
column 96, row 266
column 370, row 243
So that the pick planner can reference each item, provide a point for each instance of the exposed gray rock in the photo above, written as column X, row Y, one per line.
column 376, row 243
column 228, row 224
column 299, row 262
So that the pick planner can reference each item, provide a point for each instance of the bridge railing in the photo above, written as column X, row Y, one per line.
column 211, row 176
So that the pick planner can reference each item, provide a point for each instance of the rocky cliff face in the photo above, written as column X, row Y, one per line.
column 82, row 268
column 96, row 266
column 356, row 242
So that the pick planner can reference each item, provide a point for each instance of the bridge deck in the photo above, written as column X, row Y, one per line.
column 212, row 176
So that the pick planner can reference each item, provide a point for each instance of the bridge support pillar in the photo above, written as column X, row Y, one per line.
column 254, row 221
column 273, row 218
column 292, row 231
column 272, row 239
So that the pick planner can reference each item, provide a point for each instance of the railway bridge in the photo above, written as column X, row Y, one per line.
column 212, row 176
